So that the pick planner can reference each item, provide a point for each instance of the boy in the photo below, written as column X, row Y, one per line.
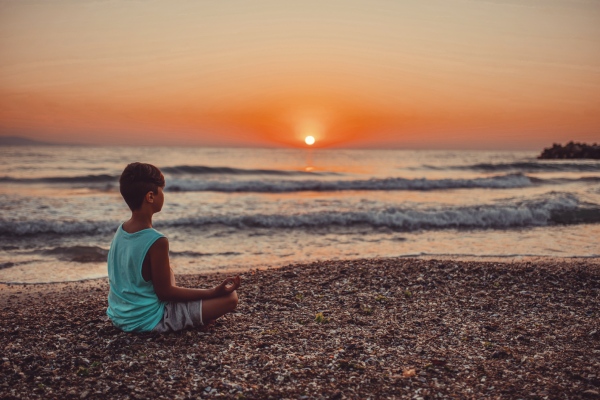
column 143, row 295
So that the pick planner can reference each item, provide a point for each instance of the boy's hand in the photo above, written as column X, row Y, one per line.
column 229, row 285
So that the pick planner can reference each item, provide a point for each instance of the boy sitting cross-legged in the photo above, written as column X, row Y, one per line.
column 143, row 296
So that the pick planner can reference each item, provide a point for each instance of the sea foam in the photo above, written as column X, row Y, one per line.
column 282, row 186
column 553, row 208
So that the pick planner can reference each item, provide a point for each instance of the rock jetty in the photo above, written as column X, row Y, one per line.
column 571, row 150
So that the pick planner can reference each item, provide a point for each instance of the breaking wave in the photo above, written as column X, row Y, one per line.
column 556, row 208
column 290, row 182
column 282, row 186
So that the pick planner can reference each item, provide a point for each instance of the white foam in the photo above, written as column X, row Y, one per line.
column 532, row 212
column 280, row 185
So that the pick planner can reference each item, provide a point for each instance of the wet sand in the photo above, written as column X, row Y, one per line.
column 375, row 328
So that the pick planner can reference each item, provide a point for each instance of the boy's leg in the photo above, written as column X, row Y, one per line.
column 219, row 306
column 185, row 315
column 172, row 277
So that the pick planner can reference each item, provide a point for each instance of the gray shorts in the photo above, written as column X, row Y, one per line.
column 179, row 316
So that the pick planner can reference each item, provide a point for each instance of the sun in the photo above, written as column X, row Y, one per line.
column 309, row 140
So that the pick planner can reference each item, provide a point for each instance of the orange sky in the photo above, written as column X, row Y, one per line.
column 504, row 74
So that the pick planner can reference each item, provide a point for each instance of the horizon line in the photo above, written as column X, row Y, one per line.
column 23, row 141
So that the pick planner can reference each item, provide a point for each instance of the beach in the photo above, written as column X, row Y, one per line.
column 363, row 328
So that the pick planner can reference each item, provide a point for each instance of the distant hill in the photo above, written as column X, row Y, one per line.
column 21, row 141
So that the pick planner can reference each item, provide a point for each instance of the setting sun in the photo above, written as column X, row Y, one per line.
column 309, row 140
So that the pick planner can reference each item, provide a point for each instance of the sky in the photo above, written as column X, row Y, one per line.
column 438, row 74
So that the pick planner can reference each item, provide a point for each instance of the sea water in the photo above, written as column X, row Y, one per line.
column 236, row 209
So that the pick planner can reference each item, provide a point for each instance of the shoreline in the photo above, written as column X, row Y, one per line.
column 595, row 260
column 380, row 328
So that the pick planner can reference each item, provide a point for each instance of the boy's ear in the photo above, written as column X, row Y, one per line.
column 150, row 197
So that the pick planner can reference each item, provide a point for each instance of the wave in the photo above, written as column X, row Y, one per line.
column 102, row 178
column 177, row 170
column 178, row 184
column 284, row 186
column 34, row 227
column 527, row 166
column 204, row 170
column 557, row 208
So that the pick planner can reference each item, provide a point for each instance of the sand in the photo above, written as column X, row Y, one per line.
column 378, row 328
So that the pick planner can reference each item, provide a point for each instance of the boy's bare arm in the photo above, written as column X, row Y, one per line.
column 165, row 288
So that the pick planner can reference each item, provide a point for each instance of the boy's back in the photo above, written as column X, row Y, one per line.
column 132, row 302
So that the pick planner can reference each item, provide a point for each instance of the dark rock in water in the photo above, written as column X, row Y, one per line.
column 6, row 265
column 80, row 254
column 571, row 150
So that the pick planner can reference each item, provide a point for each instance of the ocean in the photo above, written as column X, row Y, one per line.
column 234, row 209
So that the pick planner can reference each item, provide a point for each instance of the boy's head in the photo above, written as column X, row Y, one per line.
column 137, row 180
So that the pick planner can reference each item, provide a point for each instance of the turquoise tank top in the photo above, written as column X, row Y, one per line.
column 132, row 303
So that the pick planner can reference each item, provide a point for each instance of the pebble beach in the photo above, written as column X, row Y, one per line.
column 365, row 328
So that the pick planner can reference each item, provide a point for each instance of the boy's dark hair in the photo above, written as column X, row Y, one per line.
column 138, row 179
